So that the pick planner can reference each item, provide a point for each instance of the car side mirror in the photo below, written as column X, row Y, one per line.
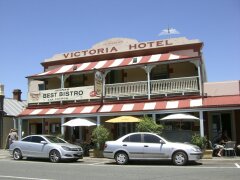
column 161, row 141
column 43, row 142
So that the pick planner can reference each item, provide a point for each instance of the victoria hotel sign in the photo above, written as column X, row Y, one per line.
column 117, row 48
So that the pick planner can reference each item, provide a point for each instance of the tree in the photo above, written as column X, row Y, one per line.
column 147, row 124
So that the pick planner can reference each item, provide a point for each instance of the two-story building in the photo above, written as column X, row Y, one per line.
column 118, row 77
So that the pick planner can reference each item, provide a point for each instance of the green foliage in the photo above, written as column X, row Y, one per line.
column 199, row 141
column 147, row 124
column 99, row 135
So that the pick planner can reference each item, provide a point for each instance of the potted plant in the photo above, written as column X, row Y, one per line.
column 99, row 136
column 202, row 143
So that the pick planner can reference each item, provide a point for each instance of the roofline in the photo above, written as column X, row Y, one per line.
column 140, row 52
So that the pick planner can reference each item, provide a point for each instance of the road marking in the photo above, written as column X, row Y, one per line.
column 17, row 177
column 236, row 164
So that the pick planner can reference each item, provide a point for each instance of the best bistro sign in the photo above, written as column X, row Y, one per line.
column 64, row 94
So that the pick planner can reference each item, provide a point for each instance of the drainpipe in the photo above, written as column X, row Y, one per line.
column 201, row 123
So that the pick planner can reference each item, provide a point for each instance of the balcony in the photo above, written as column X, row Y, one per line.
column 157, row 87
column 162, row 87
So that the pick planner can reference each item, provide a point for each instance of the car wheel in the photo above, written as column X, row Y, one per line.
column 17, row 154
column 179, row 158
column 121, row 158
column 54, row 156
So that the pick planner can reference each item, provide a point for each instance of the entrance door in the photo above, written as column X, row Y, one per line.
column 221, row 122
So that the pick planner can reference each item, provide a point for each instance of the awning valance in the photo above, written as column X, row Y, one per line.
column 114, row 108
column 88, row 66
column 209, row 102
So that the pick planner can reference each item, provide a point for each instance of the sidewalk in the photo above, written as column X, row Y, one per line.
column 4, row 154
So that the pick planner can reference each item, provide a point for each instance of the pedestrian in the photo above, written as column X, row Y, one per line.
column 12, row 136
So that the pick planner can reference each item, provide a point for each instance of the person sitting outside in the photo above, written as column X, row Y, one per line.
column 221, row 143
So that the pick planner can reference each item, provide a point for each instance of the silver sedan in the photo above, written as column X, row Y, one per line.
column 45, row 146
column 149, row 146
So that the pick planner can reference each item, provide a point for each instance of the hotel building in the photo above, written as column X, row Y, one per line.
column 122, row 76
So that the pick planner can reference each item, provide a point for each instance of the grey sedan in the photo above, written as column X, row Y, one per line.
column 45, row 146
column 149, row 146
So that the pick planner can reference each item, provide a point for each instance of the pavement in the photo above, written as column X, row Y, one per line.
column 4, row 154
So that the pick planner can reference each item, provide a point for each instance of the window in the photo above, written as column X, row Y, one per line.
column 27, row 139
column 37, row 139
column 133, row 138
column 148, row 138
column 41, row 87
column 54, row 139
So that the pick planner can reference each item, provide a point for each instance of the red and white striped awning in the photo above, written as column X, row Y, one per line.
column 209, row 102
column 114, row 108
column 112, row 63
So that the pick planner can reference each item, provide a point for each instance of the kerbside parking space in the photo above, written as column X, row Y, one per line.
column 231, row 162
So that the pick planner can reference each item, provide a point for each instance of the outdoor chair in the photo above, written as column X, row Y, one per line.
column 229, row 148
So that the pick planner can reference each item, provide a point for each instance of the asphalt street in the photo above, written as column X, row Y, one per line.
column 105, row 169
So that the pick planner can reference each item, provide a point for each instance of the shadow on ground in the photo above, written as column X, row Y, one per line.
column 156, row 163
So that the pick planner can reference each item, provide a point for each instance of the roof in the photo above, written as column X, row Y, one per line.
column 13, row 107
column 206, row 102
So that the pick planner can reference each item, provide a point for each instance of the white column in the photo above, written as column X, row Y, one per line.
column 148, row 81
column 62, row 127
column 62, row 81
column 201, row 123
column 98, row 121
column 104, row 82
column 19, row 128
column 14, row 123
column 154, row 117
column 200, row 79
column 148, row 70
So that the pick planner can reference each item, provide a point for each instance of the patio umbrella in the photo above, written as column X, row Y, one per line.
column 180, row 117
column 124, row 119
column 79, row 122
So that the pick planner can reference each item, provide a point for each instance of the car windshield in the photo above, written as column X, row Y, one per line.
column 54, row 139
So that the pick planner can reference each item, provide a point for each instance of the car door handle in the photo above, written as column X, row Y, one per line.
column 124, row 145
column 145, row 145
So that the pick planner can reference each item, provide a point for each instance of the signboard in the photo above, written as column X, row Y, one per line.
column 98, row 84
column 64, row 94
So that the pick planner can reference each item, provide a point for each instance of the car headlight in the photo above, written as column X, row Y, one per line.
column 196, row 149
column 66, row 148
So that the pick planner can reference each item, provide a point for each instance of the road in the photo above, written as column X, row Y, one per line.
column 104, row 169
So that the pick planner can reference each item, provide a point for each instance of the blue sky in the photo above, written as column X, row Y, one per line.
column 34, row 30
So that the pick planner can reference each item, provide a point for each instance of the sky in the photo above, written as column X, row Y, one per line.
column 34, row 30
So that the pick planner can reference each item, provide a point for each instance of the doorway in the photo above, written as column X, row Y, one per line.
column 221, row 122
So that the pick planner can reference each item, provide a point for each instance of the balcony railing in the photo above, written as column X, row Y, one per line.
column 163, row 86
column 130, row 89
